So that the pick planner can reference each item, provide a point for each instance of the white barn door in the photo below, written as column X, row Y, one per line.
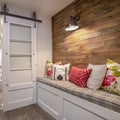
column 19, row 63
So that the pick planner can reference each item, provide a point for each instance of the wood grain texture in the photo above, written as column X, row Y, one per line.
column 98, row 37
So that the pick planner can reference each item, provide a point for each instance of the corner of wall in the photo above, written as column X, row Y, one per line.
column 44, row 44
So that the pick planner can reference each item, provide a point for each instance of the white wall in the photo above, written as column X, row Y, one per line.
column 0, row 58
column 44, row 38
column 44, row 46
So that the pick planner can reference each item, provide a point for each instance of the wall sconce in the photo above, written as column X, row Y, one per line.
column 72, row 24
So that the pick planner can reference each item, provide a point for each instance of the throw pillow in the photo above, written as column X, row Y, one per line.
column 79, row 76
column 97, row 76
column 111, row 82
column 49, row 69
column 60, row 72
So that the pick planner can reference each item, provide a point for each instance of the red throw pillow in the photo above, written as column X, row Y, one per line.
column 79, row 76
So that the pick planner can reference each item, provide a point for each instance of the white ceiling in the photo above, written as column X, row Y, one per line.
column 48, row 7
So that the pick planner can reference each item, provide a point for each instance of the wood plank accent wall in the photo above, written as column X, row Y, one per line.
column 98, row 37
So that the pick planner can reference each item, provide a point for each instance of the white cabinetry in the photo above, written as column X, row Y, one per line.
column 49, row 100
column 64, row 106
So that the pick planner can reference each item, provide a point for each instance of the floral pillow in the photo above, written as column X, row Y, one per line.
column 49, row 69
column 111, row 82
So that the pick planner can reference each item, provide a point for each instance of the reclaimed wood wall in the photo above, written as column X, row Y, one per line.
column 98, row 37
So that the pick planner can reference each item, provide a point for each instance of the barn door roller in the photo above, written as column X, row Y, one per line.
column 5, row 12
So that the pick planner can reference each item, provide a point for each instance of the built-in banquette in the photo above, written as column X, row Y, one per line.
column 66, row 101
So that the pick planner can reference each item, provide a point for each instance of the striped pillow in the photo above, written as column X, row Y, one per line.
column 60, row 72
column 79, row 76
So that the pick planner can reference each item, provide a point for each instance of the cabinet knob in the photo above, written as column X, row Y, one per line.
column 6, row 53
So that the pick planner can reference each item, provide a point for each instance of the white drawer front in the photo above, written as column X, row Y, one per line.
column 75, row 112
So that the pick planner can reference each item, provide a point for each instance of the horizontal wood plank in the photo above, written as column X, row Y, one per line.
column 98, row 37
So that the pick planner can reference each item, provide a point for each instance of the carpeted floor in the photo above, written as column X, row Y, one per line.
column 32, row 112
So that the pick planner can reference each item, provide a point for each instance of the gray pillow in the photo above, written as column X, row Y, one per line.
column 97, row 76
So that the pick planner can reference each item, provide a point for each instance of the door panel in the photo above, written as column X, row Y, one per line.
column 20, row 32
column 15, row 48
column 19, row 45
column 20, row 63
column 14, row 96
column 20, row 77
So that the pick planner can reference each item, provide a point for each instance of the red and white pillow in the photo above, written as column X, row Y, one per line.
column 79, row 76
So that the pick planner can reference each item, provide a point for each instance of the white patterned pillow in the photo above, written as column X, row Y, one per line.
column 60, row 72
column 97, row 76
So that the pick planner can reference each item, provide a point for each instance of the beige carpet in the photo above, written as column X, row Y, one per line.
column 32, row 112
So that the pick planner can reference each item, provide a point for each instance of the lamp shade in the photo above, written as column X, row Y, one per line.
column 72, row 24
